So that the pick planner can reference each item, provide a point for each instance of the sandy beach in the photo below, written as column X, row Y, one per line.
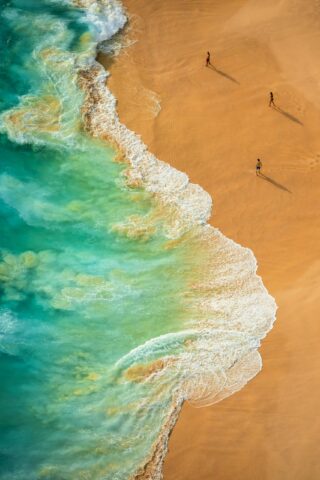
column 213, row 123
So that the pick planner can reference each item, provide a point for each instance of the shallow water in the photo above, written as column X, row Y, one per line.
column 106, row 321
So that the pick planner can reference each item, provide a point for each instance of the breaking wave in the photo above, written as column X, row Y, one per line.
column 202, row 350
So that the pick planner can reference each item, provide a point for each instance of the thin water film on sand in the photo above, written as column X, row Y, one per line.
column 118, row 301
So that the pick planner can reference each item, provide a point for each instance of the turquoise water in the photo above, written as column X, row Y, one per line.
column 98, row 312
column 76, row 293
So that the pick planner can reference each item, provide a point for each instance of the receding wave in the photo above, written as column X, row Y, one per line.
column 145, row 304
column 236, row 310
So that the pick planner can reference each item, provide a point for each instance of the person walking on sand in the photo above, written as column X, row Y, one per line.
column 258, row 166
column 208, row 59
column 271, row 102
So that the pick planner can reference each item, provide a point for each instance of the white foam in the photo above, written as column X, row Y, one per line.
column 106, row 16
column 238, row 311
column 190, row 202
column 235, row 310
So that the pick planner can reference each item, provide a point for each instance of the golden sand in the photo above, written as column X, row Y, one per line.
column 213, row 124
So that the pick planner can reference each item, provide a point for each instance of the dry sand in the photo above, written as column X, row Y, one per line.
column 213, row 125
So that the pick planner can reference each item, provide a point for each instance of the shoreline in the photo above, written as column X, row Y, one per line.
column 153, row 467
column 189, row 206
column 207, row 356
column 145, row 78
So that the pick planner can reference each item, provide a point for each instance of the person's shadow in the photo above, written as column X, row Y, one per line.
column 276, row 184
column 224, row 74
column 287, row 114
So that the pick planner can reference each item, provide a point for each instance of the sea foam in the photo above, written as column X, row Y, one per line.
column 230, row 310
column 236, row 309
column 106, row 17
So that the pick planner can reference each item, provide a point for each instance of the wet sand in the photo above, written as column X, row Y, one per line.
column 213, row 124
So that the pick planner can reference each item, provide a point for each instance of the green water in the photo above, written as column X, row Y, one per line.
column 106, row 321
column 78, row 292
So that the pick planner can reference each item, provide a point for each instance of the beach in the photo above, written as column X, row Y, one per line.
column 213, row 124
column 118, row 300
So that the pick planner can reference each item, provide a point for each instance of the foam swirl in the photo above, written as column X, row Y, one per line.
column 236, row 309
column 228, row 310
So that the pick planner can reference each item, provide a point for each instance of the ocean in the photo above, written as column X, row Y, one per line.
column 118, row 301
